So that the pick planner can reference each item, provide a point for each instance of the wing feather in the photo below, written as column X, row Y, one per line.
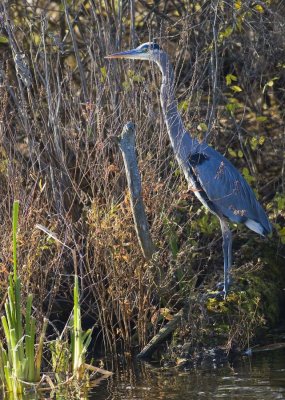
column 227, row 190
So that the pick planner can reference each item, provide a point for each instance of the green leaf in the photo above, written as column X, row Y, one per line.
column 231, row 152
column 230, row 78
column 233, row 104
column 230, row 107
column 227, row 32
column 202, row 127
column 238, row 4
column 183, row 105
column 261, row 140
column 126, row 86
column 4, row 39
column 259, row 8
column 240, row 154
column 253, row 143
column 135, row 77
column 236, row 88
column 249, row 178
column 103, row 74
column 270, row 83
column 261, row 118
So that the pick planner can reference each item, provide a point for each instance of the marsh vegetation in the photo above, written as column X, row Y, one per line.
column 62, row 104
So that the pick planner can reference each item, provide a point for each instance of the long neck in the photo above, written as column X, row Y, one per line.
column 181, row 141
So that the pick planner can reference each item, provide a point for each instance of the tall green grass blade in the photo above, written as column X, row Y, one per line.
column 29, row 341
column 30, row 351
column 14, row 229
column 11, row 287
column 75, row 326
column 8, row 337
column 24, row 368
column 6, row 330
column 76, row 301
column 77, row 345
column 8, row 378
column 72, row 341
column 3, row 362
column 15, row 359
column 85, row 335
column 86, row 339
column 8, row 315
column 28, row 313
column 39, row 355
column 18, row 362
column 10, row 307
column 18, row 314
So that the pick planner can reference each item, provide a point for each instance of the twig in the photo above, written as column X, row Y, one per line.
column 155, row 10
column 97, row 369
column 76, row 52
column 133, row 25
column 214, row 75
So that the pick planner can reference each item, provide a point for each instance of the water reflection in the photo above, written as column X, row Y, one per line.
column 260, row 377
column 60, row 392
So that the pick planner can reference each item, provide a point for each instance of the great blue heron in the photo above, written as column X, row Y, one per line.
column 215, row 181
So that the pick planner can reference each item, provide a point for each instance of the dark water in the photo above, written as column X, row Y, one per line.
column 261, row 376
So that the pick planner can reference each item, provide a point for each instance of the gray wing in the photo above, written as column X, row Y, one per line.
column 226, row 190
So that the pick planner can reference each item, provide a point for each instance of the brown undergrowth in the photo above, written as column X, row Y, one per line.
column 62, row 103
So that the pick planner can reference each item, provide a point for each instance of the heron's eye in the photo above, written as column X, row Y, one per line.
column 149, row 47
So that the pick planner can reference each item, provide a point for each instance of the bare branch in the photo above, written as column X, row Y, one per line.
column 127, row 147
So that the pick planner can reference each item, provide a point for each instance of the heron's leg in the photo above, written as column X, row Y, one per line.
column 227, row 250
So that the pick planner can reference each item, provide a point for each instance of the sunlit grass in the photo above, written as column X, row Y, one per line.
column 20, row 353
column 19, row 364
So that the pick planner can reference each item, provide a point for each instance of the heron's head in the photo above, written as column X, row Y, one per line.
column 147, row 51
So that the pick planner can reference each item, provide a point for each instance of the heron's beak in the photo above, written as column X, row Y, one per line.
column 133, row 54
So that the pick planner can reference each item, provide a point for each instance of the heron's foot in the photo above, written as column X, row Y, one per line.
column 220, row 286
column 218, row 295
column 223, row 287
column 221, row 292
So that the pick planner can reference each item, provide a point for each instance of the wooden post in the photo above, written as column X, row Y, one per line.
column 127, row 147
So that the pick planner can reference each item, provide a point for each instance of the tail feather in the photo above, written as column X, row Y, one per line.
column 258, row 227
